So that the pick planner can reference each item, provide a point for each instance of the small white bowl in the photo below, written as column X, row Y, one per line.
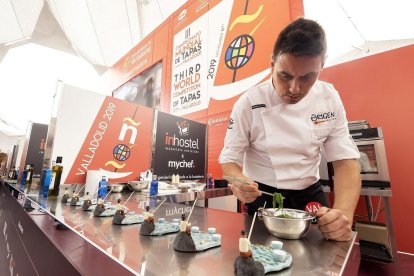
column 279, row 255
column 216, row 237
column 211, row 230
column 276, row 244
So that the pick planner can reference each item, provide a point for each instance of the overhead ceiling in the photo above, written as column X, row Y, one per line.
column 358, row 28
column 18, row 19
column 99, row 31
column 102, row 31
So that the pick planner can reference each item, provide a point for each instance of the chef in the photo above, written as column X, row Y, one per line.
column 277, row 130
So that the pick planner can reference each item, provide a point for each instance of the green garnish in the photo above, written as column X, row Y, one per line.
column 278, row 201
column 284, row 216
column 278, row 205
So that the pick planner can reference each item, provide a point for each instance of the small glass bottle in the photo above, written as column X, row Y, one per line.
column 45, row 183
column 29, row 178
column 58, row 169
column 210, row 181
column 16, row 174
column 52, row 179
column 24, row 177
column 154, row 185
column 11, row 173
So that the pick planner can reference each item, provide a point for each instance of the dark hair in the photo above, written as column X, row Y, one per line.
column 302, row 37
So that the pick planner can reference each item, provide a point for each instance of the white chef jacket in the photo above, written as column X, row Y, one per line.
column 279, row 144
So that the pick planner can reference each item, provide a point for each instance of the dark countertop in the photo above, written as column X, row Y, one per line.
column 312, row 255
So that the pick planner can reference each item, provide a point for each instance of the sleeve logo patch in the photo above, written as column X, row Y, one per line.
column 230, row 125
column 258, row 106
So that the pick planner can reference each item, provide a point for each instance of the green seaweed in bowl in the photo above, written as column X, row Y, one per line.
column 278, row 205
column 284, row 216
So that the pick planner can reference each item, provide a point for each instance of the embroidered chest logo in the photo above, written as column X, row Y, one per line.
column 322, row 117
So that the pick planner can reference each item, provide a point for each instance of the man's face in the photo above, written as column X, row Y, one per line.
column 294, row 76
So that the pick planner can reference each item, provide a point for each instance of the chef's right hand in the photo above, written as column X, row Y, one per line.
column 245, row 192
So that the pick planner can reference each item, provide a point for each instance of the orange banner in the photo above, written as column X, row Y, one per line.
column 214, row 51
column 118, row 143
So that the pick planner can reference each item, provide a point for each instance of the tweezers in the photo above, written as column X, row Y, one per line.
column 243, row 181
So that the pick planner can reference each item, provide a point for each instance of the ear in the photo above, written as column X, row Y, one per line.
column 323, row 62
column 272, row 62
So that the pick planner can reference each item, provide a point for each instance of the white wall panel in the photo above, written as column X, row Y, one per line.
column 27, row 12
column 77, row 112
column 9, row 27
column 75, row 20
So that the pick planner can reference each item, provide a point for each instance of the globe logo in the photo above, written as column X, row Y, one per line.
column 121, row 152
column 239, row 52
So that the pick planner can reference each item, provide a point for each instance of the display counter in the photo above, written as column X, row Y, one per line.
column 128, row 251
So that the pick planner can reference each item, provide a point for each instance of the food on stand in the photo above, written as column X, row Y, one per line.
column 119, row 214
column 148, row 224
column 151, row 228
column 100, row 207
column 104, row 209
column 75, row 200
column 88, row 203
column 272, row 259
column 122, row 217
column 65, row 196
column 245, row 264
column 190, row 239
column 183, row 241
column 255, row 259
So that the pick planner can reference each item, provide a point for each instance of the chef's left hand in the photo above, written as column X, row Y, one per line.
column 334, row 225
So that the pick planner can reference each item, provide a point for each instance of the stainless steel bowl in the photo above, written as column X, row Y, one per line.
column 116, row 188
column 295, row 227
column 138, row 185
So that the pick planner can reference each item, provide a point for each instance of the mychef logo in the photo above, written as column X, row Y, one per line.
column 322, row 117
column 182, row 14
column 181, row 164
